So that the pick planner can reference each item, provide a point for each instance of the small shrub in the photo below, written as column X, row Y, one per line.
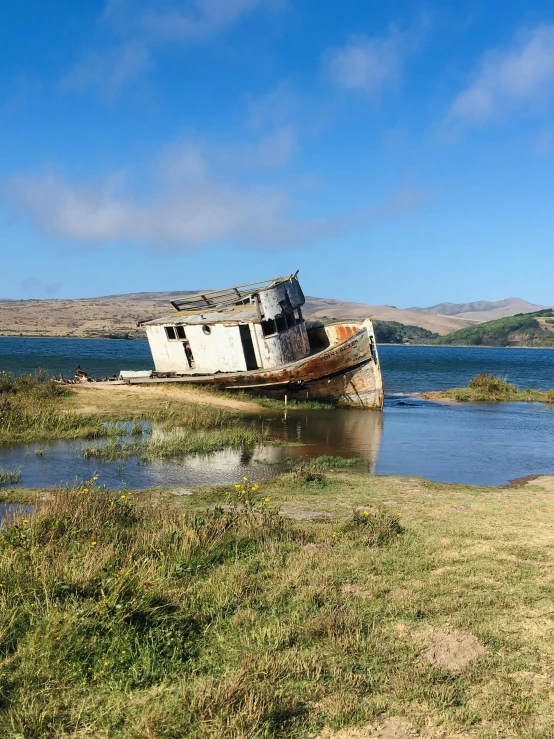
column 306, row 473
column 246, row 500
column 487, row 384
column 375, row 528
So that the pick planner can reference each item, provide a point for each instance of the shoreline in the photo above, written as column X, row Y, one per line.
column 137, row 338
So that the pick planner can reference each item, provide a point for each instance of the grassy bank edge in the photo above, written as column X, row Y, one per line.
column 488, row 388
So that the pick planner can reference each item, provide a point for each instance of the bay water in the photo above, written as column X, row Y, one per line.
column 480, row 444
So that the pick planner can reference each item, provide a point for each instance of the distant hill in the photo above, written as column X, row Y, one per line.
column 117, row 315
column 342, row 309
column 483, row 310
column 527, row 329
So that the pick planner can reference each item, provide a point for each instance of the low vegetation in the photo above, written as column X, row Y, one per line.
column 264, row 401
column 488, row 388
column 524, row 329
column 8, row 477
column 176, row 444
column 124, row 616
column 35, row 408
column 30, row 409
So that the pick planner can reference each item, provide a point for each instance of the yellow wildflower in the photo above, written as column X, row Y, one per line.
column 245, row 479
column 267, row 500
column 93, row 543
column 255, row 487
column 247, row 502
column 123, row 497
column 366, row 513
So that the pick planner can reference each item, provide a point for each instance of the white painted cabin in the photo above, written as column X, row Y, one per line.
column 248, row 327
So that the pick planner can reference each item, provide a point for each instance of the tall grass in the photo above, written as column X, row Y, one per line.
column 34, row 407
column 31, row 408
column 175, row 443
column 8, row 477
column 121, row 619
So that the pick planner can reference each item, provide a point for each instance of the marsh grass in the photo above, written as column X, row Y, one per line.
column 176, row 443
column 30, row 409
column 8, row 477
column 489, row 388
column 36, row 408
column 329, row 462
column 309, row 471
column 267, row 402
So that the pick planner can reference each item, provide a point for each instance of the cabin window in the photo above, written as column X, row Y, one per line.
column 299, row 316
column 290, row 319
column 170, row 333
column 268, row 327
column 180, row 332
column 207, row 330
column 281, row 323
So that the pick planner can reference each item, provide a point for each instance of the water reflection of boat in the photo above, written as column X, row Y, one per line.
column 303, row 434
column 349, row 433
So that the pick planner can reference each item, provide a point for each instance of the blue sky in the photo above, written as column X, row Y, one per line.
column 397, row 153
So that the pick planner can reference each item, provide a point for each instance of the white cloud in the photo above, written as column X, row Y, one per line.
column 517, row 77
column 108, row 72
column 131, row 30
column 371, row 64
column 275, row 108
column 271, row 152
column 207, row 18
column 190, row 206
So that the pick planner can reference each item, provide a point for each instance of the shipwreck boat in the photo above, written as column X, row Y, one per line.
column 254, row 337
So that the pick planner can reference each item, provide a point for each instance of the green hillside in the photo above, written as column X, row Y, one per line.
column 393, row 332
column 524, row 329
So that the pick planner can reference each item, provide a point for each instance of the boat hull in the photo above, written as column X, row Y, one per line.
column 346, row 373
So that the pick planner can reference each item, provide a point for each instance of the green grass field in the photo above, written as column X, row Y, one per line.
column 372, row 605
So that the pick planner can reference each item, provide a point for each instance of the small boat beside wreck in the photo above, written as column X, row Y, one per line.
column 254, row 337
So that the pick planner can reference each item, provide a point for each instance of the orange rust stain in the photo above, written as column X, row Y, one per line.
column 344, row 332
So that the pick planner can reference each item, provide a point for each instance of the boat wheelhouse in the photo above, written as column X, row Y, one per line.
column 237, row 329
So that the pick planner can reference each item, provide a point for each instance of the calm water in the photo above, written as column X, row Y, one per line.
column 406, row 369
column 473, row 443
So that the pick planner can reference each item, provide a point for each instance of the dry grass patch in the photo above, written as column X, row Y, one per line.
column 449, row 649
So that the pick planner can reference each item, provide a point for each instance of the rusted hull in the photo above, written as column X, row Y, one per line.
column 346, row 373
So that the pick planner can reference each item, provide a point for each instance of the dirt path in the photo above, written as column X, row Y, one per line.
column 94, row 394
